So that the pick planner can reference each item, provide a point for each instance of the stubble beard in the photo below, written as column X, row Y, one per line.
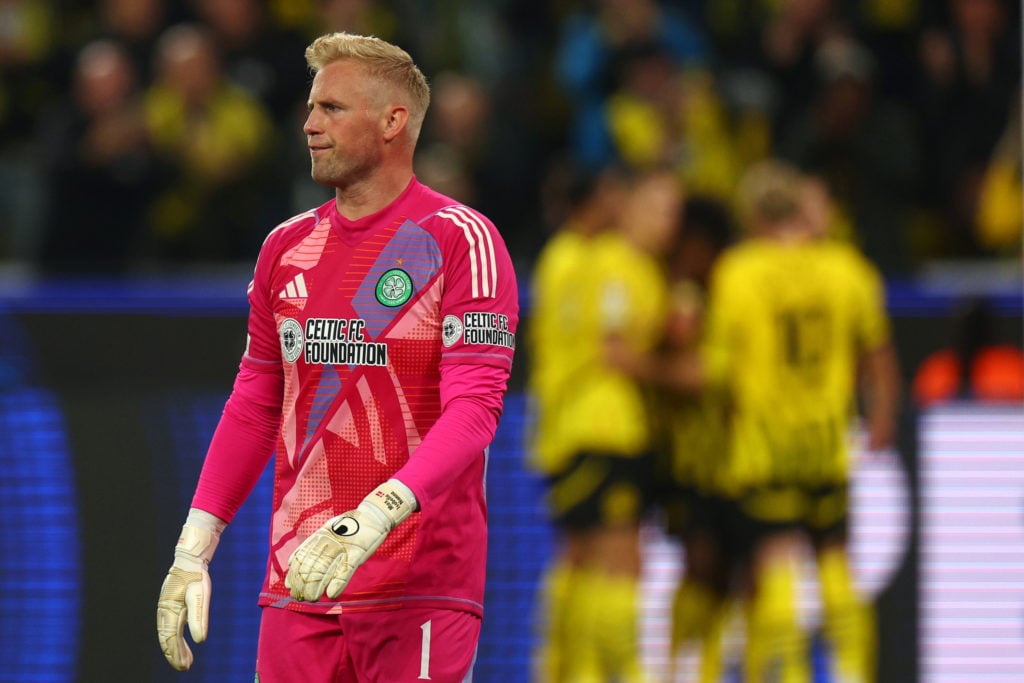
column 339, row 173
column 326, row 172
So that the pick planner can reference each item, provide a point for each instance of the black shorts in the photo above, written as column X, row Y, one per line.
column 689, row 511
column 709, row 522
column 820, row 511
column 601, row 489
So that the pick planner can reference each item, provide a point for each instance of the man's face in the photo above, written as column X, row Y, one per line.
column 654, row 207
column 345, row 126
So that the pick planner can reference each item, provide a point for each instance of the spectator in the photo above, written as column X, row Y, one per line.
column 257, row 55
column 1000, row 214
column 865, row 150
column 98, row 160
column 457, row 132
column 660, row 114
column 972, row 73
column 584, row 61
column 26, row 50
column 735, row 27
column 135, row 24
column 477, row 156
column 361, row 16
column 890, row 28
column 789, row 45
column 214, row 140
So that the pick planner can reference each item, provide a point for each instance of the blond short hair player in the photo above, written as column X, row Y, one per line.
column 797, row 331
column 381, row 333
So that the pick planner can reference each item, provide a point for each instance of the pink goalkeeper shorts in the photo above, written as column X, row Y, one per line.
column 400, row 646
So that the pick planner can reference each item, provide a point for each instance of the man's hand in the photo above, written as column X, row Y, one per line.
column 326, row 560
column 185, row 594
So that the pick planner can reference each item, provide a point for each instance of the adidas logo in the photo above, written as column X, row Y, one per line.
column 295, row 291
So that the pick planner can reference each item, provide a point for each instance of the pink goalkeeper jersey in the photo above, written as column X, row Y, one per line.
column 362, row 316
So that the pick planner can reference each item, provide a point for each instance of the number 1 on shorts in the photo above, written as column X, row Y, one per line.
column 425, row 652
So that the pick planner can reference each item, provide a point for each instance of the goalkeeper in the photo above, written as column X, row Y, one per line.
column 380, row 340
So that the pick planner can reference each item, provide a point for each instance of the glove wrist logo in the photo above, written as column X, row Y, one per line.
column 346, row 526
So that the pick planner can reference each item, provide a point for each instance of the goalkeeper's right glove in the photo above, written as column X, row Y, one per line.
column 185, row 594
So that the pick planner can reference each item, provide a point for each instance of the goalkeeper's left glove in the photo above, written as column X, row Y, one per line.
column 326, row 560
column 185, row 594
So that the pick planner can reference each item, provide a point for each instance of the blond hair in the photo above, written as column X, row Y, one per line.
column 769, row 193
column 383, row 60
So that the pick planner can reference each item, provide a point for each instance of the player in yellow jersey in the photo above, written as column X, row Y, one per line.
column 697, row 507
column 586, row 204
column 794, row 322
column 599, row 431
column 583, row 204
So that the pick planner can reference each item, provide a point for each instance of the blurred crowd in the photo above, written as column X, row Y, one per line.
column 151, row 133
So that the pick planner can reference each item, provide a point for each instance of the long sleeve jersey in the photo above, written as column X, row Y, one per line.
column 377, row 348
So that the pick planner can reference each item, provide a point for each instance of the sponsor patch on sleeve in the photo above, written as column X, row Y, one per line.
column 478, row 328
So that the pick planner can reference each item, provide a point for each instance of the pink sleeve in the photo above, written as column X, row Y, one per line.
column 480, row 308
column 244, row 439
column 471, row 400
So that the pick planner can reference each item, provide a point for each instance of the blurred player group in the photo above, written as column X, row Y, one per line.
column 703, row 365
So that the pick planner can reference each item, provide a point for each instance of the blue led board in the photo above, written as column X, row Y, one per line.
column 40, row 555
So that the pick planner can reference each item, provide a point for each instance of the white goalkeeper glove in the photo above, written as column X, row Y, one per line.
column 185, row 594
column 326, row 560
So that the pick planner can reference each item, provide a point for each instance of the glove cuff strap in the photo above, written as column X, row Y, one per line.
column 394, row 499
column 200, row 535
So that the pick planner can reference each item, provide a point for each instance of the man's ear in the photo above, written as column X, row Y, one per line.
column 397, row 119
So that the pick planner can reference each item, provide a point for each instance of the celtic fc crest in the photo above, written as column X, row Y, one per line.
column 394, row 288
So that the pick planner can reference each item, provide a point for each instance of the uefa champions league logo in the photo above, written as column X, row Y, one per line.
column 291, row 339
column 451, row 330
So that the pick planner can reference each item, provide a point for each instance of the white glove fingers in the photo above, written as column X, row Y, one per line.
column 170, row 623
column 294, row 580
column 197, row 601
column 171, row 626
column 335, row 587
column 312, row 565
column 320, row 565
